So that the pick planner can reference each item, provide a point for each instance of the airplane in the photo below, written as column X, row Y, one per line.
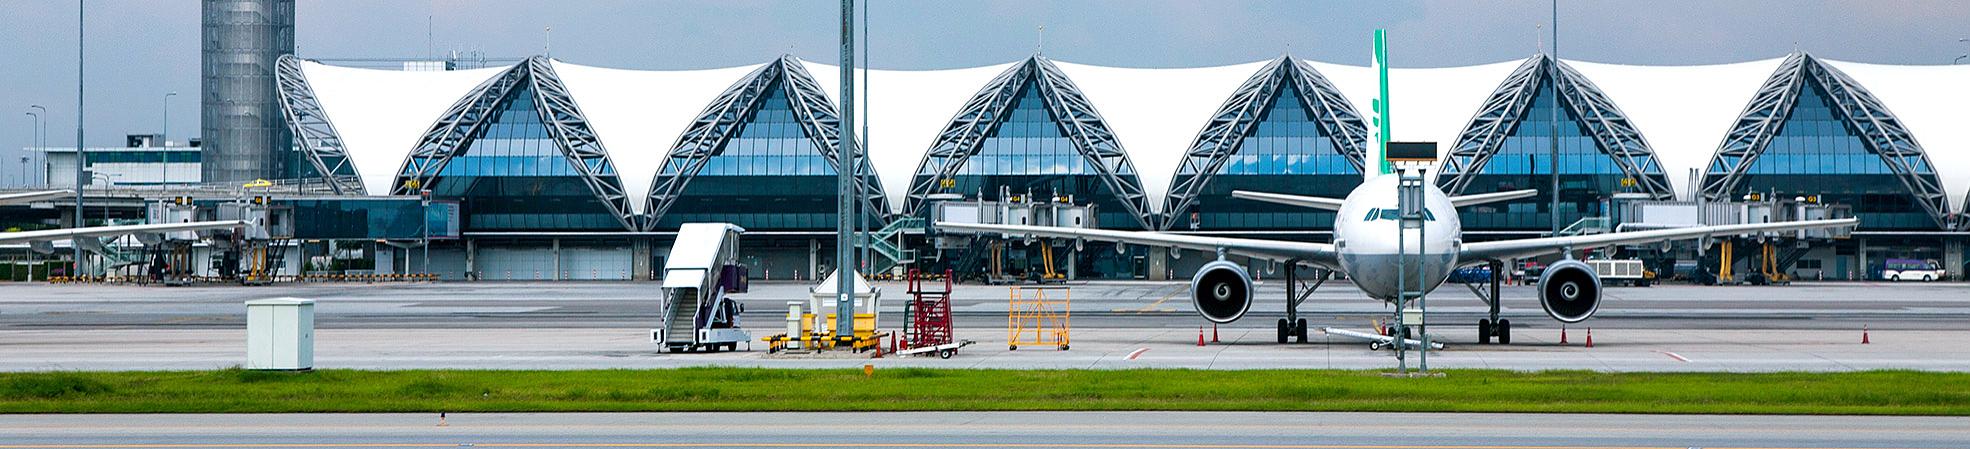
column 1368, row 226
column 40, row 238
column 1366, row 230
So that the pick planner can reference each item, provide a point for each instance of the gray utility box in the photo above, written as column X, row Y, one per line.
column 280, row 334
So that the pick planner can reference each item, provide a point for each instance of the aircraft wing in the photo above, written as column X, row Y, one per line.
column 1276, row 250
column 1508, row 249
column 1484, row 198
column 114, row 231
column 29, row 197
column 1290, row 200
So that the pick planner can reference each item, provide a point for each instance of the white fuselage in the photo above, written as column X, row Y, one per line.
column 1368, row 236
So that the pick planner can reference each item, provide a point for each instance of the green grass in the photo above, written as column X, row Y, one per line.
column 748, row 389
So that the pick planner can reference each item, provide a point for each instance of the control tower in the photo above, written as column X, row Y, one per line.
column 244, row 135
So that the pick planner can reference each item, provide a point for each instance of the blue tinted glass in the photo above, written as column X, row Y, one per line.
column 768, row 176
column 1525, row 160
column 1817, row 153
column 513, row 177
column 1028, row 154
column 1285, row 153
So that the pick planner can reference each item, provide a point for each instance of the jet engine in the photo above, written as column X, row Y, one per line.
column 1221, row 291
column 1570, row 291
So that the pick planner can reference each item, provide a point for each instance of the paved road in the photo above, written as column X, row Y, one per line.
column 979, row 430
column 1237, row 348
column 1943, row 306
column 1116, row 325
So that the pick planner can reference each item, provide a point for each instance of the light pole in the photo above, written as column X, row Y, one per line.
column 1554, row 115
column 165, row 135
column 845, row 265
column 80, row 157
column 34, row 138
column 1959, row 59
column 41, row 139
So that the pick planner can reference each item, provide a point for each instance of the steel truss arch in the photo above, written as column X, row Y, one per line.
column 1239, row 116
column 1864, row 115
column 312, row 129
column 1073, row 113
column 467, row 120
column 726, row 116
column 1614, row 135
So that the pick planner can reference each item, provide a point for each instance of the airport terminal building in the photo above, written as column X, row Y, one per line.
column 558, row 170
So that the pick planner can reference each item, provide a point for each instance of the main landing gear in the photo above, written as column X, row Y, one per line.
column 1297, row 291
column 1492, row 326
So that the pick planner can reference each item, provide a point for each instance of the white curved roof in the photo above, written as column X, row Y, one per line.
column 1157, row 113
column 380, row 114
column 1683, row 111
column 1931, row 102
column 1426, row 104
column 638, row 114
column 912, row 106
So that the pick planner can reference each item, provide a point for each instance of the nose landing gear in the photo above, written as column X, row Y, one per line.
column 1297, row 291
column 1492, row 326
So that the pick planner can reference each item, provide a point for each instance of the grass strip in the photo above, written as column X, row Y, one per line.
column 918, row 389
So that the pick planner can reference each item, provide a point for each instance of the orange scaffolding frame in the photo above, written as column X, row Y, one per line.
column 1037, row 318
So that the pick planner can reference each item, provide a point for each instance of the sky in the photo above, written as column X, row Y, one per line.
column 140, row 50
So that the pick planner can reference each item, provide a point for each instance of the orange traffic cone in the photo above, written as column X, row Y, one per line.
column 1562, row 334
column 1200, row 336
column 1864, row 334
column 1214, row 333
column 1590, row 337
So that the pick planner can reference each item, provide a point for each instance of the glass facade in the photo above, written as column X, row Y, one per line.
column 1286, row 153
column 513, row 177
column 1816, row 152
column 1588, row 176
column 1027, row 153
column 365, row 219
column 768, row 176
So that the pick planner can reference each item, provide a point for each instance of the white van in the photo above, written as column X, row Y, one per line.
column 1911, row 270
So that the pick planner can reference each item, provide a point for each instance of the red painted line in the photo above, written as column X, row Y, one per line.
column 1678, row 357
column 1137, row 353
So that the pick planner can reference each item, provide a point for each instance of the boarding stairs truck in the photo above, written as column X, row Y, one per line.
column 702, row 269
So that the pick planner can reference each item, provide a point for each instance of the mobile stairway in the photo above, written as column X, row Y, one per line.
column 703, row 267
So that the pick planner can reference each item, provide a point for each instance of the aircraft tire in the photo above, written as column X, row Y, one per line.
column 1504, row 331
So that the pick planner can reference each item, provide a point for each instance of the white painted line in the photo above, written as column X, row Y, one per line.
column 1678, row 357
column 1138, row 353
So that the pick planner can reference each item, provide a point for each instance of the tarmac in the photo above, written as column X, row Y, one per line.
column 1137, row 430
column 1115, row 325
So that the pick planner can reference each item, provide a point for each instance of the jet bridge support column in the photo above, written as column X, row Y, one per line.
column 639, row 259
column 1158, row 264
column 1953, row 258
column 471, row 260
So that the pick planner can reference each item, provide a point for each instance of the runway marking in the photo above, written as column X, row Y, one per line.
column 1137, row 353
column 822, row 445
column 1678, row 357
column 1152, row 306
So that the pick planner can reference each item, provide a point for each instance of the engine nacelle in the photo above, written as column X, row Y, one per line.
column 1221, row 291
column 1570, row 291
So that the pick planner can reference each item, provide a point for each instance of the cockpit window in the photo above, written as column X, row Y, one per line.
column 1394, row 215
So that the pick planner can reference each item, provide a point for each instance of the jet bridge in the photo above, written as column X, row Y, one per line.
column 703, row 267
column 1755, row 258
